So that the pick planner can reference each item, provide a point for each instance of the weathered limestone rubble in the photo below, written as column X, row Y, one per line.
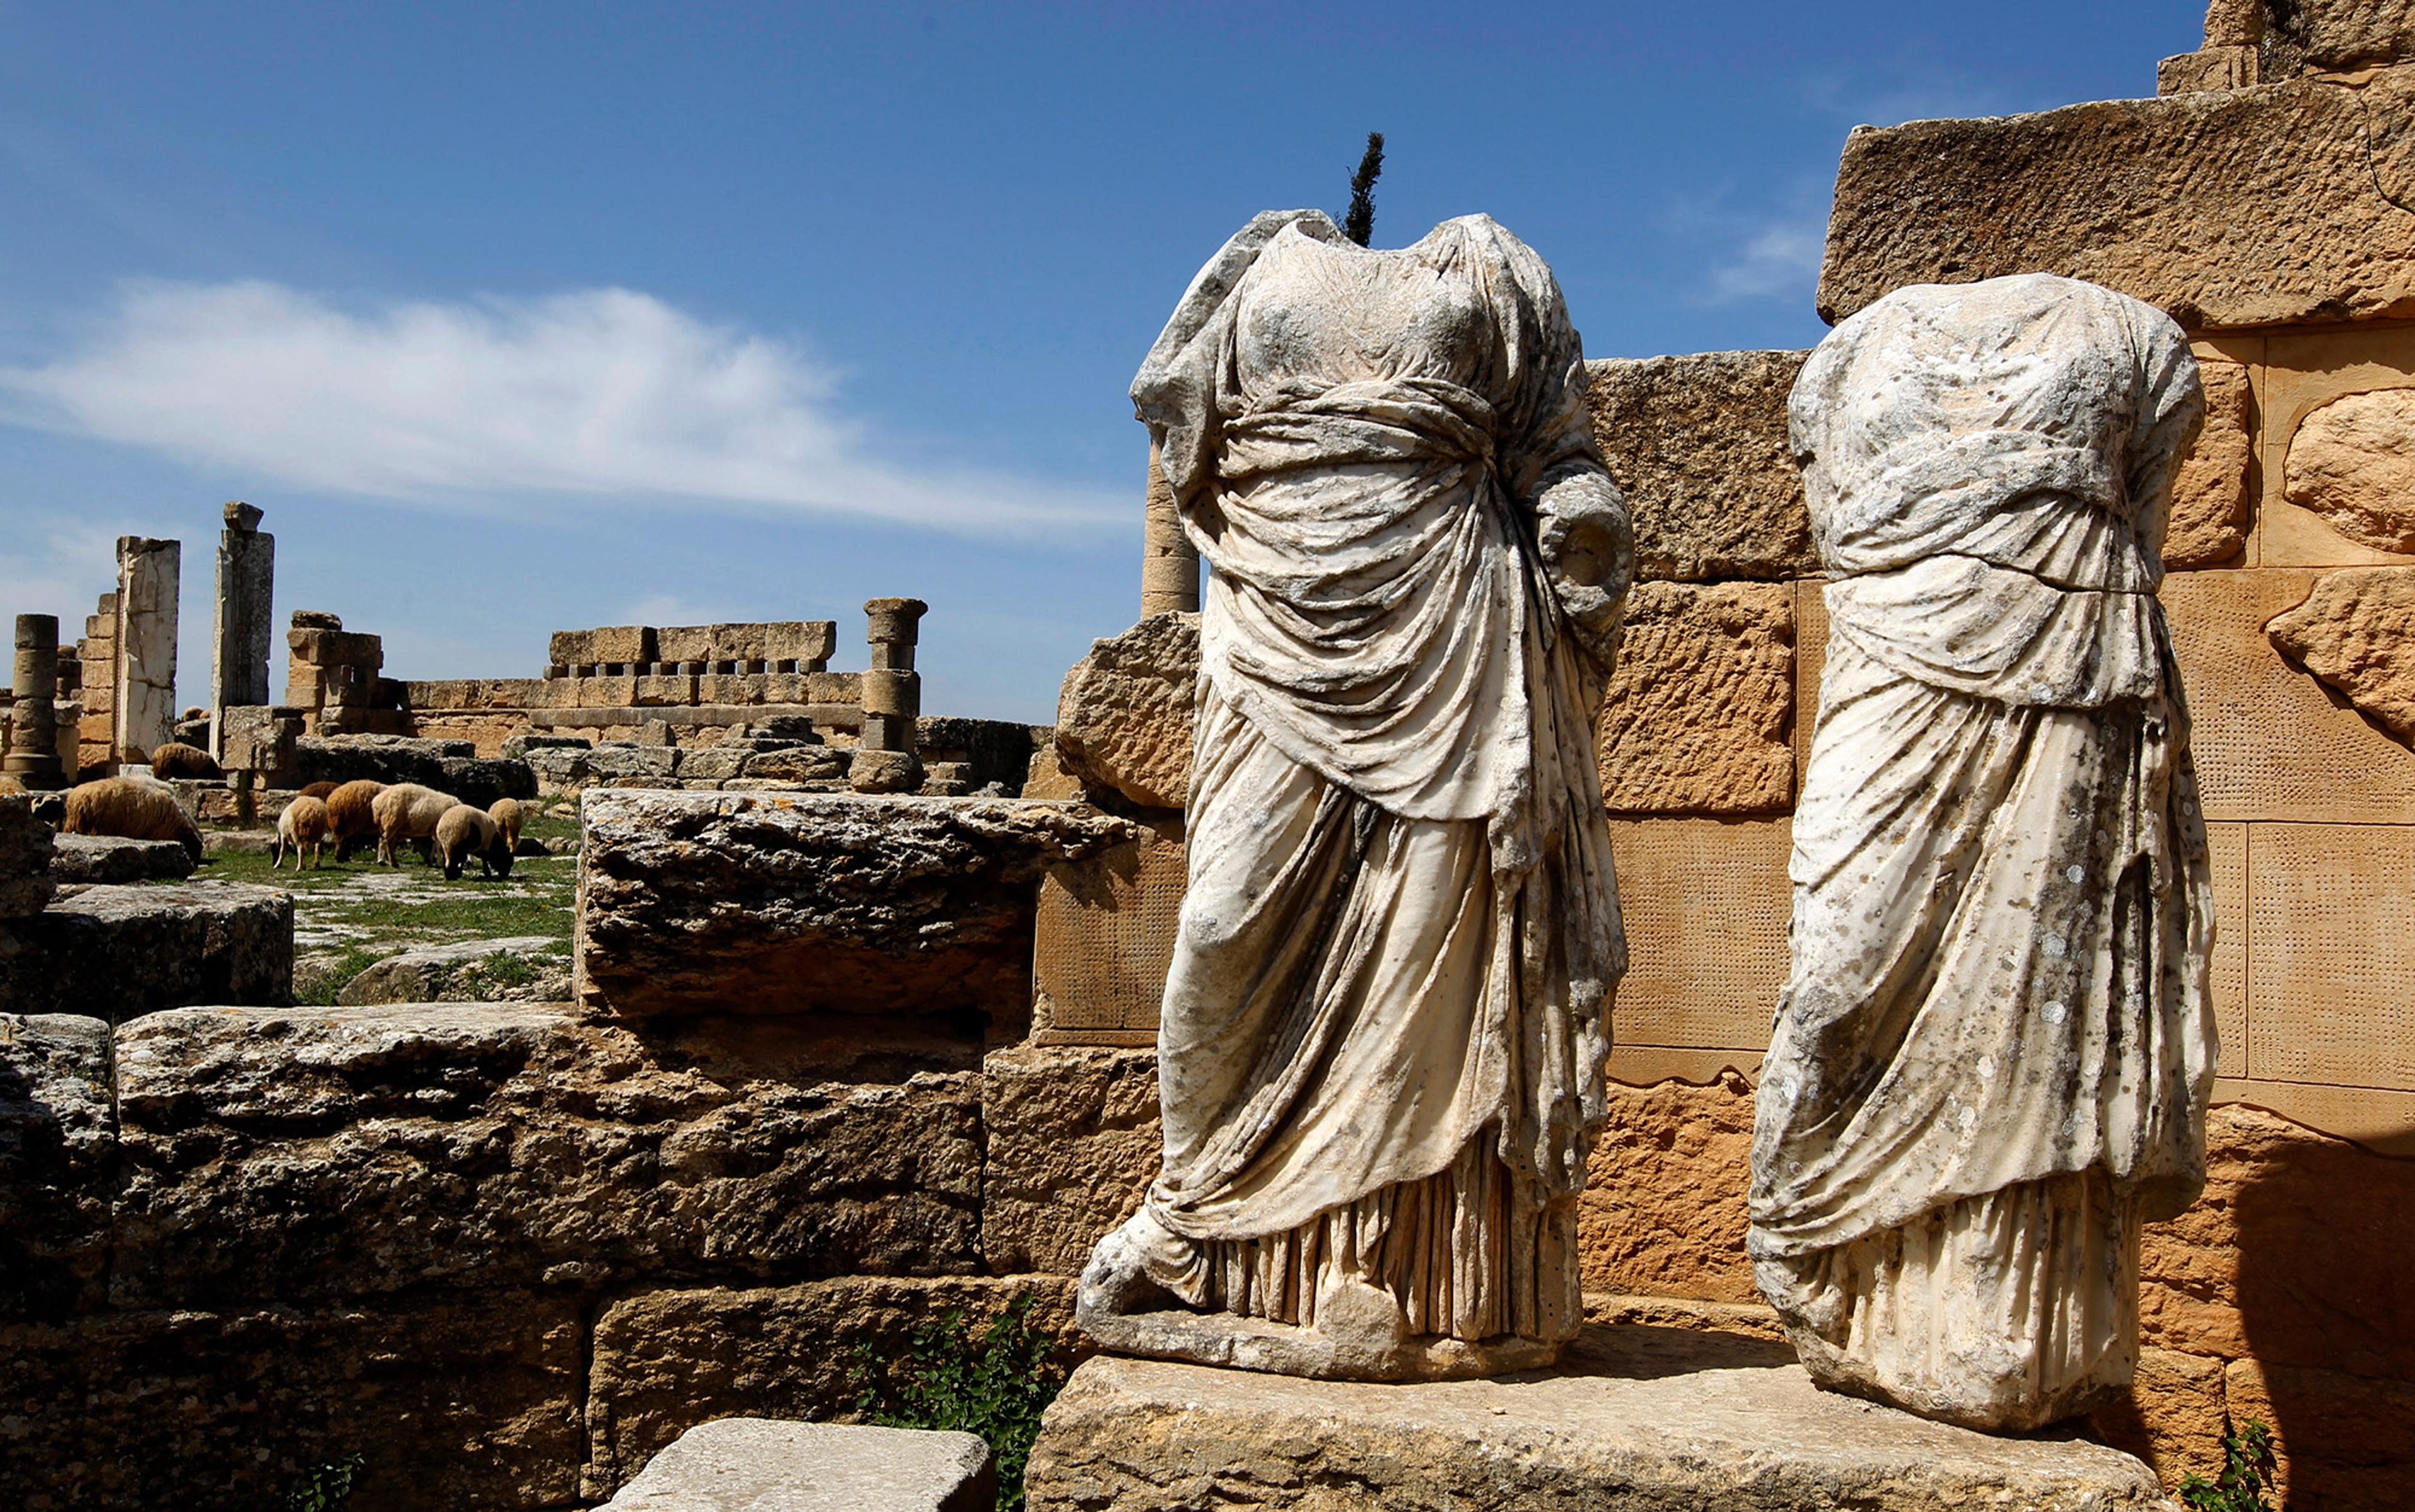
column 2226, row 208
column 83, row 859
column 1074, row 1138
column 760, row 1464
column 448, row 765
column 757, row 903
column 517, row 1145
column 2356, row 631
column 1123, row 716
column 26, row 849
column 460, row 1400
column 123, row 952
column 56, row 1156
column 1637, row 1417
column 1697, row 444
column 2210, row 493
column 1700, row 712
column 2352, row 461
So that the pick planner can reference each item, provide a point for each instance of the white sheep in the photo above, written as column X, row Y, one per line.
column 509, row 816
column 407, row 811
column 464, row 831
column 303, row 823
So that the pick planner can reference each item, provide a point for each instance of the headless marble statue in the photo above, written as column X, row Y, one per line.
column 1389, row 1008
column 1992, row 1059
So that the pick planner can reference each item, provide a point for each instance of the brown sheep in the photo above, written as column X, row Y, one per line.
column 464, row 831
column 177, row 760
column 408, row 810
column 351, row 818
column 509, row 816
column 303, row 823
column 320, row 790
column 131, row 808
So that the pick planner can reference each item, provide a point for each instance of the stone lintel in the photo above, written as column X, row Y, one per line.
column 2224, row 208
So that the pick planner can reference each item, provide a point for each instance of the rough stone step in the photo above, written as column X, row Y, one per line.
column 1637, row 1417
column 756, row 1464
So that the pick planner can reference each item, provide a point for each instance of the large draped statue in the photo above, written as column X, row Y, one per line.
column 1992, row 1059
column 1385, row 1025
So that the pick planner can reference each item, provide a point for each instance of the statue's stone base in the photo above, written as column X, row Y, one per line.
column 1320, row 1354
column 1634, row 1417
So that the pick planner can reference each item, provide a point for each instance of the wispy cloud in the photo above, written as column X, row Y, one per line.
column 599, row 395
column 1766, row 251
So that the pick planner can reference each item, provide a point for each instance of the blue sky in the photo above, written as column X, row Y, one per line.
column 516, row 319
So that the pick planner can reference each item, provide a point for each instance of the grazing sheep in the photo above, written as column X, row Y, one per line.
column 303, row 823
column 464, row 831
column 10, row 784
column 351, row 820
column 407, row 811
column 131, row 808
column 177, row 760
column 508, row 816
column 320, row 790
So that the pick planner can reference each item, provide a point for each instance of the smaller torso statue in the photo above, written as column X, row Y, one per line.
column 1992, row 1059
column 1389, row 1008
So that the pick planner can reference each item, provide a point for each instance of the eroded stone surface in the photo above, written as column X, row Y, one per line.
column 666, row 1361
column 2228, row 208
column 692, row 902
column 1638, row 1417
column 1698, row 716
column 453, row 1400
column 2352, row 461
column 2292, row 1254
column 2340, row 1439
column 1663, row 1210
column 2356, row 631
column 1123, row 716
column 116, row 953
column 759, row 1464
column 275, row 1155
column 1074, row 1140
column 2210, row 493
column 1697, row 444
column 57, row 1143
column 85, row 859
column 26, row 848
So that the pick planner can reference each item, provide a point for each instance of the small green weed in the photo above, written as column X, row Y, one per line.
column 996, row 1385
column 2247, row 1470
column 328, row 1487
column 326, row 983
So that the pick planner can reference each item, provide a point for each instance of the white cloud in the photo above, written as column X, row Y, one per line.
column 1781, row 256
column 601, row 393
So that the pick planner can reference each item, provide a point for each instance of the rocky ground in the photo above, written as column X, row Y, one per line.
column 358, row 915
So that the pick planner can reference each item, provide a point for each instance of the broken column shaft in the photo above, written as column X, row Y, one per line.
column 1169, row 563
column 145, row 640
column 33, row 756
column 240, row 646
column 885, row 762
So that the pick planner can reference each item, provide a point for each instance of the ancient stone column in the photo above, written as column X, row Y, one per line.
column 33, row 725
column 892, row 697
column 239, row 647
column 148, row 573
column 1169, row 563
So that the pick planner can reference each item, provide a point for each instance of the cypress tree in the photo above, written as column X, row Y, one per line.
column 1359, row 224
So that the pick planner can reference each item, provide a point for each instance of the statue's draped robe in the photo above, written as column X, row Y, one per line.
column 1992, row 1059
column 1384, row 1024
